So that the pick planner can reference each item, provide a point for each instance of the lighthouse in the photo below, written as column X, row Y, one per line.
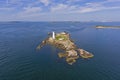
column 53, row 35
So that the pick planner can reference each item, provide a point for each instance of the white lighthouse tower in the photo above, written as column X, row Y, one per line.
column 53, row 35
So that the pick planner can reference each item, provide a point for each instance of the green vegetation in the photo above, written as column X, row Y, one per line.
column 61, row 37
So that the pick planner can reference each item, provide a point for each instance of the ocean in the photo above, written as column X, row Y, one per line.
column 19, row 59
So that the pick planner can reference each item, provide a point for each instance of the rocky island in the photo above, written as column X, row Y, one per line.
column 113, row 27
column 70, row 51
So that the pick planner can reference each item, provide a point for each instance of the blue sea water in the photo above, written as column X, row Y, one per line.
column 19, row 59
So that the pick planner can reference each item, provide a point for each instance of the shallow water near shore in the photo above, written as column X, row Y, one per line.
column 19, row 59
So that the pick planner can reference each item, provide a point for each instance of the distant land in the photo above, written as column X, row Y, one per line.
column 113, row 27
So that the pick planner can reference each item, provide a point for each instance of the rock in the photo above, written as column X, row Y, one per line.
column 70, row 60
column 62, row 55
column 85, row 54
column 62, row 41
column 71, row 53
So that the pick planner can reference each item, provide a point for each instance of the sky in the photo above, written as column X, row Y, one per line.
column 60, row 10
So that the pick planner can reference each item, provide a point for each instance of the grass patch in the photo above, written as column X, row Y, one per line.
column 61, row 37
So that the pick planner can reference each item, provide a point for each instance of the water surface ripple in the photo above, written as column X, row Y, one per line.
column 19, row 59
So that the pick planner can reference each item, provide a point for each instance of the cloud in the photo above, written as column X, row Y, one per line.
column 27, row 11
column 96, row 6
column 72, row 1
column 93, row 4
column 6, row 9
column 93, row 9
column 59, row 7
column 32, row 9
column 86, row 8
column 14, row 2
column 113, row 0
column 63, row 8
column 45, row 2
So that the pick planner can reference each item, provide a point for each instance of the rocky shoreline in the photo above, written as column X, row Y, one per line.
column 62, row 41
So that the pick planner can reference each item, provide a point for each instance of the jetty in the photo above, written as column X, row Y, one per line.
column 63, row 41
